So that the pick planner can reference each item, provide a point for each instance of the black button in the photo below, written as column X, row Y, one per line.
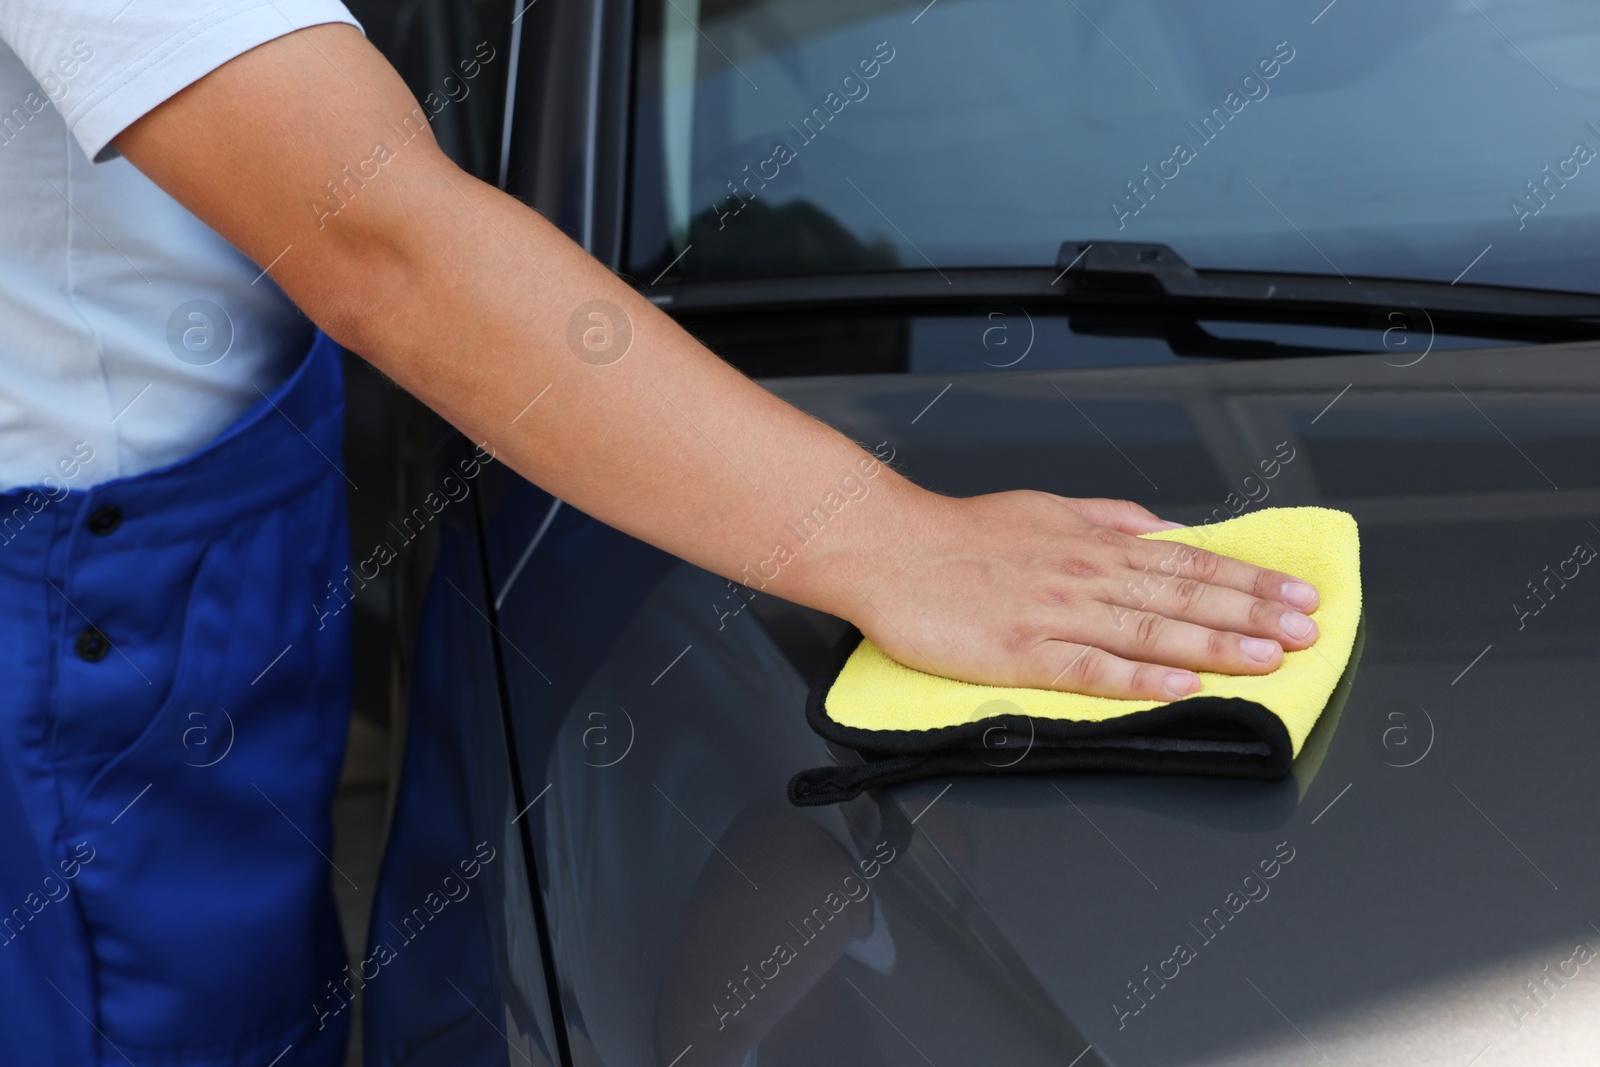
column 105, row 519
column 93, row 645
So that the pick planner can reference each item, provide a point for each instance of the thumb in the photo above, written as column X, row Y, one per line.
column 1122, row 515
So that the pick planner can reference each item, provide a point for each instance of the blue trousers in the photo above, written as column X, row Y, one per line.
column 172, row 724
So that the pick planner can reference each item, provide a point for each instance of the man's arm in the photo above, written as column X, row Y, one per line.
column 463, row 296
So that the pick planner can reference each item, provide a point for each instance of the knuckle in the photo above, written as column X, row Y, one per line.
column 1266, row 583
column 1059, row 595
column 1222, row 647
column 1148, row 628
column 1105, row 535
column 1077, row 567
column 1264, row 615
column 1148, row 680
column 1204, row 565
column 1189, row 592
column 1091, row 668
column 1121, row 509
column 1020, row 638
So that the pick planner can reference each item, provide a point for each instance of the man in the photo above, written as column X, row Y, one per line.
column 169, row 433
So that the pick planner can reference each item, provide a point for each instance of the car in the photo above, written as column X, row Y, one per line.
column 1211, row 258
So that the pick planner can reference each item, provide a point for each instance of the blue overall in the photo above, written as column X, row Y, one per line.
column 171, row 732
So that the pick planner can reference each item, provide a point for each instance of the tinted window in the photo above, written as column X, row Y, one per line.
column 794, row 136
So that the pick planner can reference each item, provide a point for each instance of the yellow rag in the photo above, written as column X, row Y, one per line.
column 1320, row 545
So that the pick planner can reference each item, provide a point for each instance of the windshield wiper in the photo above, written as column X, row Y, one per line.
column 1147, row 289
column 1105, row 267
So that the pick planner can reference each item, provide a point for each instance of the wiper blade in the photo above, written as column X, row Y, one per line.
column 1121, row 279
column 1108, row 267
column 1186, row 336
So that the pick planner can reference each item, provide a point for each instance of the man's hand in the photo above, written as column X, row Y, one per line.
column 311, row 156
column 1034, row 590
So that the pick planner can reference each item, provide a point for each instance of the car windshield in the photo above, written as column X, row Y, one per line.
column 1430, row 140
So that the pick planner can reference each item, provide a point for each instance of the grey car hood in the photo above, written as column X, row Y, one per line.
column 1433, row 889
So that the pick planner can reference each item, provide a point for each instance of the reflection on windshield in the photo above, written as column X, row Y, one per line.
column 795, row 238
column 1430, row 140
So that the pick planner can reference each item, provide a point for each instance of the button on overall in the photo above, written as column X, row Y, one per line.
column 105, row 520
column 92, row 645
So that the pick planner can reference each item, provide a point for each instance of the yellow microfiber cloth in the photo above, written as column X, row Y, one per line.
column 913, row 725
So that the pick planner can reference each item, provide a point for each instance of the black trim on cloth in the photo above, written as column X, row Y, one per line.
column 1212, row 736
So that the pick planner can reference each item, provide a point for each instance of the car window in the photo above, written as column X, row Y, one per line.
column 1419, row 140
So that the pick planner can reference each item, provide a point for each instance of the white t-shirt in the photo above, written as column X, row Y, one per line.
column 130, row 332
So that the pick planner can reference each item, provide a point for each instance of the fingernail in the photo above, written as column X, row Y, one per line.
column 1182, row 683
column 1299, row 594
column 1258, row 649
column 1173, row 526
column 1297, row 625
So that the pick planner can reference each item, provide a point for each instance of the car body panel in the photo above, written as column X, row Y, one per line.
column 454, row 971
column 1429, row 821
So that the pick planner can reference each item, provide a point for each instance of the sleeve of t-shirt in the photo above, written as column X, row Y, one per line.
column 106, row 63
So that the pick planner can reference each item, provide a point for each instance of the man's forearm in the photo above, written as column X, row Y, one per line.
column 495, row 319
column 483, row 309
